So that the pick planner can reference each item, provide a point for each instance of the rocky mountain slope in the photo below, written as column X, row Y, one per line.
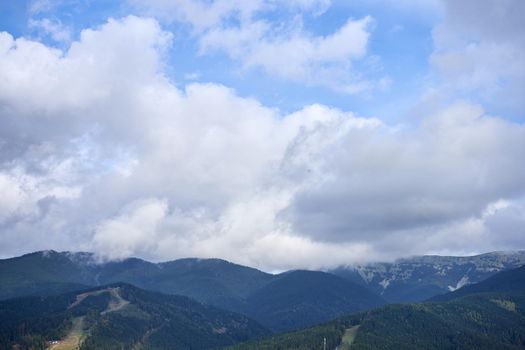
column 420, row 278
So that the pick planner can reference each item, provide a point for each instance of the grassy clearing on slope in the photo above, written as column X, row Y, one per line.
column 74, row 338
column 505, row 304
column 348, row 338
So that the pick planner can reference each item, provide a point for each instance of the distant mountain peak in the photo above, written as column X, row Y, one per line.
column 420, row 277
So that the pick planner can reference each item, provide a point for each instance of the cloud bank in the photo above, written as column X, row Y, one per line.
column 101, row 151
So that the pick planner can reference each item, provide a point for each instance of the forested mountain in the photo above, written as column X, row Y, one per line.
column 213, row 281
column 280, row 302
column 42, row 273
column 494, row 321
column 120, row 316
column 301, row 298
column 488, row 315
column 228, row 285
column 505, row 281
column 419, row 278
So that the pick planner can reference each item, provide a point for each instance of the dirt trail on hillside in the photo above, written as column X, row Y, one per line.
column 76, row 335
column 117, row 302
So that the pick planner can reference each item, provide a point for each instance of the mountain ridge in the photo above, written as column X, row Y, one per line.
column 120, row 315
column 212, row 281
column 504, row 281
column 487, row 315
column 418, row 278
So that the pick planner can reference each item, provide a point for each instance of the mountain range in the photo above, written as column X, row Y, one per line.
column 419, row 278
column 66, row 296
column 119, row 316
column 279, row 302
column 486, row 315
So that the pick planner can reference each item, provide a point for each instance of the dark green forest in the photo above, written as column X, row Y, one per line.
column 486, row 315
column 147, row 319
column 490, row 321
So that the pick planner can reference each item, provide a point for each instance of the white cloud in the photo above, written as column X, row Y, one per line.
column 204, row 14
column 28, row 196
column 200, row 14
column 55, row 29
column 479, row 48
column 294, row 54
column 63, row 95
column 121, row 161
column 11, row 196
column 132, row 232
column 285, row 50
column 384, row 180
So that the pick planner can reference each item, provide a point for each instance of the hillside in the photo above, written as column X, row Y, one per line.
column 487, row 315
column 420, row 278
column 42, row 273
column 302, row 298
column 279, row 302
column 227, row 285
column 510, row 280
column 120, row 316
column 213, row 281
column 495, row 321
column 282, row 302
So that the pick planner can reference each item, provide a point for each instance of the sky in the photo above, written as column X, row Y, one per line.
column 275, row 134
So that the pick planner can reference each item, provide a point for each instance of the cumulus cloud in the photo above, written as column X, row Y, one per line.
column 105, row 153
column 26, row 195
column 295, row 55
column 480, row 47
column 285, row 50
column 381, row 179
column 132, row 232
column 11, row 196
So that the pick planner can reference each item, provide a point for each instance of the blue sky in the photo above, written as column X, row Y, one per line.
column 398, row 51
column 278, row 134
